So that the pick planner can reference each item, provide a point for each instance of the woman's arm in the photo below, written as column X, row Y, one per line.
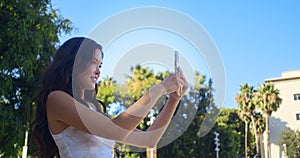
column 63, row 109
column 151, row 137
column 129, row 119
column 153, row 134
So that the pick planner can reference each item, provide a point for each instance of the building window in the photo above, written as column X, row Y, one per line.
column 297, row 96
column 298, row 116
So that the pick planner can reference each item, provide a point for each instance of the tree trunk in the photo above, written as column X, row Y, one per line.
column 268, row 137
column 151, row 153
column 256, row 135
column 246, row 139
column 258, row 143
column 262, row 146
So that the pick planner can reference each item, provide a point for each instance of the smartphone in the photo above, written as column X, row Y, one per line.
column 176, row 61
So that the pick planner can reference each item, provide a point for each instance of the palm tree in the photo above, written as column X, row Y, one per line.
column 246, row 109
column 260, row 126
column 269, row 101
column 247, row 120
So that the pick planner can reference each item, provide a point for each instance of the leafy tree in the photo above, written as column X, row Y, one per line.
column 193, row 108
column 230, row 127
column 290, row 143
column 108, row 92
column 269, row 101
column 29, row 32
column 138, row 83
column 198, row 101
column 122, row 96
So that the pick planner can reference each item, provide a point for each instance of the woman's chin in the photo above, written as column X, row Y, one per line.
column 92, row 88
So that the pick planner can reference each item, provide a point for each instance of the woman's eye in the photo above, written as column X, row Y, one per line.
column 93, row 62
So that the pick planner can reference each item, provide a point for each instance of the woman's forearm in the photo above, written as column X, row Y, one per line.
column 130, row 118
column 160, row 125
column 166, row 114
column 154, row 133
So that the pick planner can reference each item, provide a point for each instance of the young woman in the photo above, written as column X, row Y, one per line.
column 70, row 122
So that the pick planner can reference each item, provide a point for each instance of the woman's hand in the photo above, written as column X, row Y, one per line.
column 171, row 84
column 183, row 84
column 175, row 83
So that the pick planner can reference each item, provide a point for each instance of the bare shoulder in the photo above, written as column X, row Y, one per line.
column 59, row 100
column 58, row 104
column 58, row 94
column 59, row 97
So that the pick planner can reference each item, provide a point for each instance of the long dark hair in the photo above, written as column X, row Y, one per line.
column 58, row 76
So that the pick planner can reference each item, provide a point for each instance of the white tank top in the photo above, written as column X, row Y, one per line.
column 73, row 143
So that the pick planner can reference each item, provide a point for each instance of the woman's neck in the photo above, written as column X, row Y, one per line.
column 78, row 93
column 81, row 94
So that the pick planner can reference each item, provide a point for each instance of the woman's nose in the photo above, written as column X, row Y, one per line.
column 97, row 71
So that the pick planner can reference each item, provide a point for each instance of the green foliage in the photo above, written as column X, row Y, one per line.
column 193, row 108
column 140, row 81
column 268, row 98
column 291, row 140
column 29, row 32
column 244, row 99
column 186, row 122
column 107, row 90
column 231, row 129
column 260, row 123
column 122, row 96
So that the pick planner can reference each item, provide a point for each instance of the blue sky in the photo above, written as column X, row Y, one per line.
column 256, row 39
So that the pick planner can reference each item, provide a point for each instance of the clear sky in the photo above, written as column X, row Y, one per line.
column 256, row 39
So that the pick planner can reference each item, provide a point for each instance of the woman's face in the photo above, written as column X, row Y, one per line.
column 88, row 78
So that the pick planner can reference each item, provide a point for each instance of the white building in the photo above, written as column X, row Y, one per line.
column 288, row 115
